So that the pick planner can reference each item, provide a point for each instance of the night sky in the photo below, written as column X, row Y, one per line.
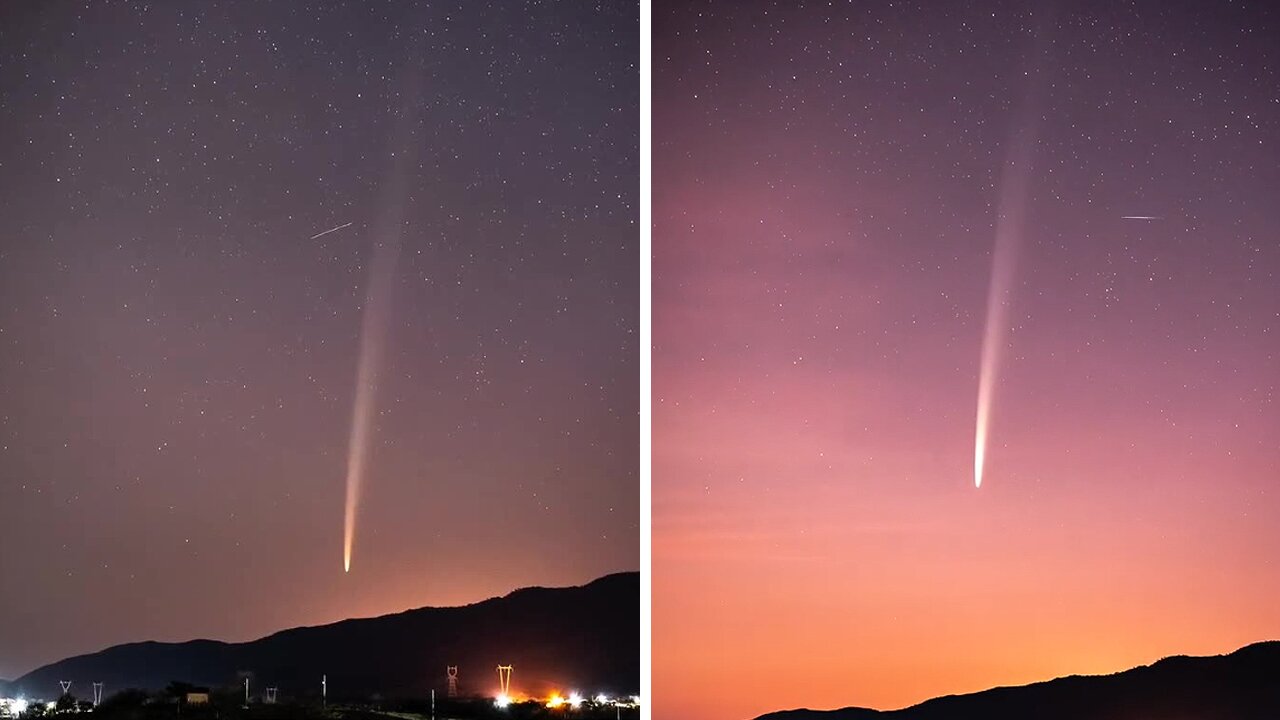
column 827, row 180
column 178, row 356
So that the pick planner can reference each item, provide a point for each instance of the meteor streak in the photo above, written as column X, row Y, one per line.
column 326, row 232
column 1140, row 217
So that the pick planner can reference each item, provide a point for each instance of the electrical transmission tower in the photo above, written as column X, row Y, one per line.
column 504, row 679
column 97, row 694
column 453, row 680
column 66, row 686
column 271, row 695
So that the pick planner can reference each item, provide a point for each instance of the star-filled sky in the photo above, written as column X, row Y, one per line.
column 827, row 182
column 178, row 352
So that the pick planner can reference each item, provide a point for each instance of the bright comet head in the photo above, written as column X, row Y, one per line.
column 980, row 441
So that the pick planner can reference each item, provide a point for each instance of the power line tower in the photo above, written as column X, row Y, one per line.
column 66, row 686
column 271, row 695
column 504, row 679
column 452, row 670
column 97, row 694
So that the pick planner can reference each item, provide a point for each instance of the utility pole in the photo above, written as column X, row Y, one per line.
column 324, row 691
column 504, row 679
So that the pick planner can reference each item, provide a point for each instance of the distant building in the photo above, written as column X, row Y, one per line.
column 197, row 698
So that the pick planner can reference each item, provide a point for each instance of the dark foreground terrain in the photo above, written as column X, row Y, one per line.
column 1244, row 685
column 585, row 637
column 228, row 705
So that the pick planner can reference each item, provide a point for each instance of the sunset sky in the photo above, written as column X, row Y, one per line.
column 826, row 182
column 179, row 340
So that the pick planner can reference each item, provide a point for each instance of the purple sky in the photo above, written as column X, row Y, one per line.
column 178, row 359
column 827, row 178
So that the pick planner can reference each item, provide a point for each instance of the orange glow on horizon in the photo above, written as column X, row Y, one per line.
column 816, row 536
column 790, row 616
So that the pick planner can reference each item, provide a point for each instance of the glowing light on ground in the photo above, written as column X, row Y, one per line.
column 502, row 701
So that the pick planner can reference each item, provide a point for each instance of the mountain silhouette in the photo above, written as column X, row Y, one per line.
column 585, row 638
column 1244, row 685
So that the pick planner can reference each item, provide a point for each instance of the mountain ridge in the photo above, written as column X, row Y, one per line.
column 1240, row 685
column 586, row 633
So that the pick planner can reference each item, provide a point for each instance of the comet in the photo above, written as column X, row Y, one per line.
column 1010, row 218
column 1003, row 261
column 376, row 315
column 1140, row 217
column 373, row 333
column 326, row 232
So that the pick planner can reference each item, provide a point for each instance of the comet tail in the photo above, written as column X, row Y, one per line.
column 372, row 340
column 377, row 313
column 1014, row 182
